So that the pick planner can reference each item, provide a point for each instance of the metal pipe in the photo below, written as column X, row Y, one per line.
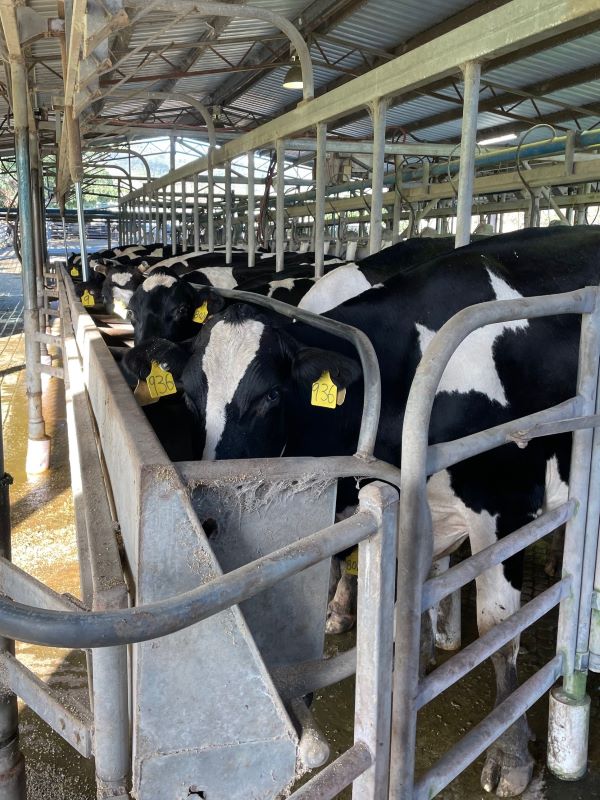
column 210, row 202
column 85, row 266
column 228, row 224
column 196, row 214
column 472, row 77
column 183, row 216
column 335, row 777
column 320, row 200
column 36, row 428
column 435, row 589
column 378, row 115
column 280, row 212
column 251, row 201
column 487, row 644
column 11, row 758
column 173, row 208
column 164, row 215
column 83, row 629
column 485, row 733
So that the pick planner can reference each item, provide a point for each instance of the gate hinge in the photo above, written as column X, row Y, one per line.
column 595, row 601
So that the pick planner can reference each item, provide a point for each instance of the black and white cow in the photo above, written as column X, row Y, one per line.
column 259, row 405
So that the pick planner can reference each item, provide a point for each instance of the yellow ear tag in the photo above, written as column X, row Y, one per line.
column 87, row 299
column 352, row 562
column 74, row 272
column 120, row 309
column 324, row 392
column 201, row 313
column 142, row 394
column 160, row 382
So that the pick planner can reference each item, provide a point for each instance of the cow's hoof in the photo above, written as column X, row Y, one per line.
column 506, row 775
column 339, row 623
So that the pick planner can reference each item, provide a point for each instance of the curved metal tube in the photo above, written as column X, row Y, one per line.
column 126, row 151
column 83, row 629
column 250, row 12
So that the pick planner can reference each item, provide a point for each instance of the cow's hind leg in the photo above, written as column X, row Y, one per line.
column 509, row 765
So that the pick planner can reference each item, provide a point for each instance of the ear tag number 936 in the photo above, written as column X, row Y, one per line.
column 160, row 382
column 324, row 392
column 201, row 313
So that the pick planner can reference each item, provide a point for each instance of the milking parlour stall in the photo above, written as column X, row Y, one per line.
column 299, row 381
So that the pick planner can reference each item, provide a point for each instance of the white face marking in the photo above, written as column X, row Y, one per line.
column 158, row 280
column 124, row 295
column 220, row 277
column 472, row 367
column 120, row 278
column 339, row 285
column 229, row 353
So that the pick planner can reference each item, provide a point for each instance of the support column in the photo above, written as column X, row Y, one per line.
column 12, row 763
column 251, row 202
column 38, row 246
column 280, row 209
column 378, row 115
column 228, row 230
column 397, row 209
column 210, row 205
column 320, row 199
column 173, row 206
column 76, row 169
column 196, row 215
column 472, row 77
column 164, row 215
column 85, row 270
column 184, row 215
column 38, row 448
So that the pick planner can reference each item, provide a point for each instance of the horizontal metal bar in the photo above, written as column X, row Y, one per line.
column 46, row 369
column 435, row 589
column 296, row 680
column 337, row 775
column 50, row 312
column 368, row 359
column 474, row 654
column 151, row 621
column 48, row 338
column 483, row 735
column 553, row 428
column 441, row 456
column 75, row 729
column 24, row 588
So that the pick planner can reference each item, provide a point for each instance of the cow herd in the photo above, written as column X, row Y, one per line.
column 245, row 378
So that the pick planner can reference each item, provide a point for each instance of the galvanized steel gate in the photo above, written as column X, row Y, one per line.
column 576, row 592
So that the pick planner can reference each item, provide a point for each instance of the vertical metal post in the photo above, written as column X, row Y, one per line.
column 145, row 201
column 375, row 639
column 464, row 204
column 378, row 115
column 173, row 206
column 164, row 215
column 38, row 233
column 196, row 215
column 85, row 268
column 108, row 234
column 184, row 215
column 12, row 764
column 280, row 208
column 228, row 227
column 320, row 198
column 38, row 450
column 210, row 206
column 397, row 207
column 111, row 720
column 251, row 202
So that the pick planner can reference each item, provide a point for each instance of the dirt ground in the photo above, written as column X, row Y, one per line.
column 44, row 545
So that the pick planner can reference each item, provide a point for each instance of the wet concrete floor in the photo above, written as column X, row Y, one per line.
column 44, row 545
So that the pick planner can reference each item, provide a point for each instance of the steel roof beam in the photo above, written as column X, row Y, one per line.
column 517, row 24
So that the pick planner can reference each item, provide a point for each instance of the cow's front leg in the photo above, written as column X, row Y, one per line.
column 508, row 766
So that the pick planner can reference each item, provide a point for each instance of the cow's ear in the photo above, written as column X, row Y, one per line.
column 214, row 301
column 101, row 267
column 309, row 363
column 170, row 356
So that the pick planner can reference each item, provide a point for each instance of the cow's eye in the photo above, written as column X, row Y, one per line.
column 181, row 311
column 273, row 394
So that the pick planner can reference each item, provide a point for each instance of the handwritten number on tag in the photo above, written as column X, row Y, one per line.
column 160, row 382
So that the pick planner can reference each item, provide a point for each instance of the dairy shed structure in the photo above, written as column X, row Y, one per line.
column 299, row 363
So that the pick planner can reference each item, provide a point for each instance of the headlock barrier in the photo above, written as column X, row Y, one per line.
column 220, row 586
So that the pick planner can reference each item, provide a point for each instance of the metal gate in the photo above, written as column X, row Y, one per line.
column 577, row 639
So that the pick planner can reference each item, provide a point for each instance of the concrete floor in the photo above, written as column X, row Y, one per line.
column 44, row 545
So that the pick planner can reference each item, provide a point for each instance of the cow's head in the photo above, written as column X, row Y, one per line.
column 166, row 307
column 244, row 377
column 119, row 285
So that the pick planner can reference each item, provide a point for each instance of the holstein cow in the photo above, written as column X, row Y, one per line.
column 248, row 374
